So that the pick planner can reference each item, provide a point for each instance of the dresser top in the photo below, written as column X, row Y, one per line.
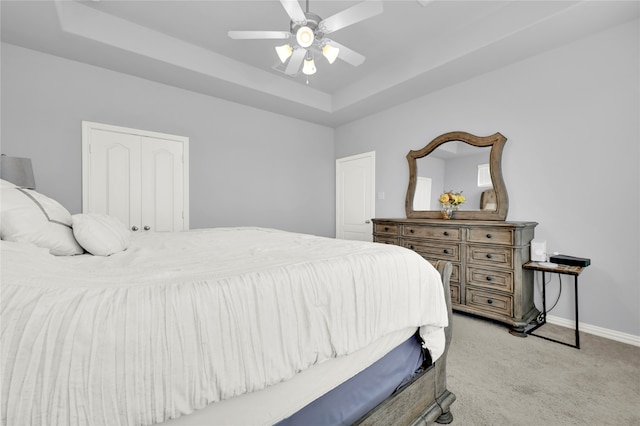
column 453, row 222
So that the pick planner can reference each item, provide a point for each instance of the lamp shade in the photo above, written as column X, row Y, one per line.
column 309, row 67
column 17, row 171
column 330, row 52
column 284, row 52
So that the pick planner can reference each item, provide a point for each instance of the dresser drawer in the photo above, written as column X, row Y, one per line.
column 488, row 301
column 433, row 232
column 385, row 228
column 455, row 293
column 488, row 278
column 491, row 235
column 489, row 255
column 437, row 251
column 385, row 239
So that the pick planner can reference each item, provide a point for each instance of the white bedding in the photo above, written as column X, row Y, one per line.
column 181, row 320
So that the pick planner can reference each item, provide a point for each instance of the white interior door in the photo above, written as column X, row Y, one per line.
column 114, row 180
column 422, row 195
column 162, row 186
column 140, row 177
column 355, row 200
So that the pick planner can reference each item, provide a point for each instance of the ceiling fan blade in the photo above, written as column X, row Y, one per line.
column 349, row 56
column 350, row 16
column 295, row 61
column 249, row 35
column 294, row 11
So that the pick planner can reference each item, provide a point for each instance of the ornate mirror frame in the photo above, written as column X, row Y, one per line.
column 496, row 142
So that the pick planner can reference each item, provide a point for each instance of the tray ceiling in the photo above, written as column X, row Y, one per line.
column 411, row 49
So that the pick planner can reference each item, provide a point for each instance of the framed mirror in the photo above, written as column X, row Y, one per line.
column 458, row 162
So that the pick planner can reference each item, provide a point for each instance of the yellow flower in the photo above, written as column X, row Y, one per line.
column 453, row 198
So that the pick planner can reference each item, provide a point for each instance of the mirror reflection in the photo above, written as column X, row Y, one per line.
column 458, row 162
column 459, row 167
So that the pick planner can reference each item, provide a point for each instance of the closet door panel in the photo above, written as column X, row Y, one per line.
column 162, row 183
column 114, row 178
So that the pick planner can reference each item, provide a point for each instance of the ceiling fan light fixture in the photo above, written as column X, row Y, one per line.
column 330, row 52
column 284, row 52
column 309, row 67
column 305, row 36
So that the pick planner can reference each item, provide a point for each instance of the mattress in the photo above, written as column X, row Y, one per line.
column 180, row 321
column 302, row 395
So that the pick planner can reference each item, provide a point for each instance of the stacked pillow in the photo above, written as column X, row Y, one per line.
column 30, row 217
column 100, row 234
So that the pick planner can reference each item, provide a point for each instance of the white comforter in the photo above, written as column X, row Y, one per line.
column 185, row 319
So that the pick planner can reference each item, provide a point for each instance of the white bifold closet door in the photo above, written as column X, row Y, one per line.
column 137, row 176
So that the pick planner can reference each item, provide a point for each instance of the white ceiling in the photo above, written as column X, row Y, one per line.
column 411, row 49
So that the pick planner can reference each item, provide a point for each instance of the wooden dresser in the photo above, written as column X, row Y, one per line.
column 487, row 257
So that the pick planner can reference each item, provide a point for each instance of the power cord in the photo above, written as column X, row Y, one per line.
column 559, row 293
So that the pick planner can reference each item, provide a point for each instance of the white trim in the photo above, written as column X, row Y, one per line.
column 597, row 331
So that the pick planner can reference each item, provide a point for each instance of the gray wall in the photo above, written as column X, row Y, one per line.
column 247, row 166
column 571, row 161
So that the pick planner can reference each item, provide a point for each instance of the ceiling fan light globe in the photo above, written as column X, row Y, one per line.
column 330, row 52
column 305, row 36
column 284, row 52
column 309, row 67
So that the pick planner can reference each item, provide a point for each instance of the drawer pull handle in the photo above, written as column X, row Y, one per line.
column 490, row 301
column 386, row 228
column 446, row 234
column 489, row 236
column 411, row 231
column 446, row 251
column 411, row 246
column 489, row 256
column 489, row 278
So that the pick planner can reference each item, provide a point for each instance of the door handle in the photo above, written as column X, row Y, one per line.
column 367, row 221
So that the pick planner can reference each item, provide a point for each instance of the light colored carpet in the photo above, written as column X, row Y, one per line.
column 500, row 379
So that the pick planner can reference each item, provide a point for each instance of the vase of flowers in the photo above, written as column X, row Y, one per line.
column 450, row 201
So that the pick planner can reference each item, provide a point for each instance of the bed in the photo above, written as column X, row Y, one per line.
column 217, row 326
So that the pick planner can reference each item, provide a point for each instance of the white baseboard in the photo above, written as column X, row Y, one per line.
column 595, row 330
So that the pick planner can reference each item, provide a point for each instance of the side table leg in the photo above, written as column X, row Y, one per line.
column 575, row 283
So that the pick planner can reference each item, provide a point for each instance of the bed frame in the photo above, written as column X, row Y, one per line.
column 425, row 399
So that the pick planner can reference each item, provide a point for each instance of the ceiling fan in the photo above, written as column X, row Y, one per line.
column 309, row 31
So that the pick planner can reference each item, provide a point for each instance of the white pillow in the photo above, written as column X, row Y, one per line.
column 100, row 234
column 31, row 217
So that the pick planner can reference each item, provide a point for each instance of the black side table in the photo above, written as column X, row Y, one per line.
column 558, row 269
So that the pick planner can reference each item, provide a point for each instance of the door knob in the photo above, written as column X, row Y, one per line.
column 134, row 228
column 367, row 221
column 147, row 227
